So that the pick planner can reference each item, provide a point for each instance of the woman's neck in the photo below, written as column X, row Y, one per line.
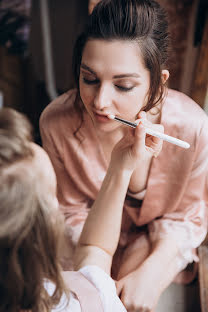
column 112, row 137
column 154, row 115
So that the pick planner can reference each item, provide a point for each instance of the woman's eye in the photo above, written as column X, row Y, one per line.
column 125, row 89
column 90, row 82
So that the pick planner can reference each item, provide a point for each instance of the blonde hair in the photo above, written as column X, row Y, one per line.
column 29, row 236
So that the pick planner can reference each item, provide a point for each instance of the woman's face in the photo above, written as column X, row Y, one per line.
column 113, row 80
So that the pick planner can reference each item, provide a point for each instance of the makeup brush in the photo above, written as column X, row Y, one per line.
column 152, row 132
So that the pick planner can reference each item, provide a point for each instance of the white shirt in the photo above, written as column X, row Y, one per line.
column 105, row 286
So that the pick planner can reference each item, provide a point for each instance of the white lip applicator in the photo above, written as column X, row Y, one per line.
column 152, row 132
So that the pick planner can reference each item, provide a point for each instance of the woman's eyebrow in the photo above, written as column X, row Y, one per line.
column 84, row 66
column 87, row 68
column 127, row 75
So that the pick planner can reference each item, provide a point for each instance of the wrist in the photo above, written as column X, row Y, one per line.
column 162, row 273
column 153, row 272
column 122, row 172
column 118, row 168
column 119, row 176
column 161, row 259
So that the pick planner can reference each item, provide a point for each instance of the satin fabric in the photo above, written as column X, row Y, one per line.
column 175, row 202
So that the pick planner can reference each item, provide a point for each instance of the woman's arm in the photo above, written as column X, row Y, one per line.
column 102, row 228
column 142, row 288
column 138, row 181
column 99, row 238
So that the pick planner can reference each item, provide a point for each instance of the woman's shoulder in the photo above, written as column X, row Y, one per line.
column 181, row 102
column 60, row 111
column 180, row 109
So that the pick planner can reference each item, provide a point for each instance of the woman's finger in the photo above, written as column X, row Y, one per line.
column 140, row 135
column 142, row 118
column 154, row 149
column 119, row 286
column 142, row 114
column 148, row 124
column 153, row 143
column 143, row 308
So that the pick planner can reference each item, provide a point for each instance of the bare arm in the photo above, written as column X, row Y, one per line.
column 99, row 239
column 101, row 232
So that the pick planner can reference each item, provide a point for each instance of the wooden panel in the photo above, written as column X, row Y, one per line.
column 203, row 277
column 10, row 67
column 12, row 95
column 200, row 82
column 11, row 79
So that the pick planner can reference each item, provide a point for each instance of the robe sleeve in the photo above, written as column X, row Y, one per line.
column 73, row 204
column 188, row 224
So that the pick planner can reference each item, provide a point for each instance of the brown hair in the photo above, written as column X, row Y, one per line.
column 141, row 21
column 28, row 234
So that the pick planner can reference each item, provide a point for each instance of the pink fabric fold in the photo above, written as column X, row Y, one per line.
column 175, row 202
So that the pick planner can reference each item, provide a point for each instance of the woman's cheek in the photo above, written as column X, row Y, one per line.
column 85, row 92
column 129, row 107
column 87, row 99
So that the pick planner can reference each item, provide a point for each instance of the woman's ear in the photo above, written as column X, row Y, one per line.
column 165, row 75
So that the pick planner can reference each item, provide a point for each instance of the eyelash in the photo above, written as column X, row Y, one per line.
column 90, row 82
column 93, row 82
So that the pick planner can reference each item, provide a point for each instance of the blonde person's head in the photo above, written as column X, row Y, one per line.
column 30, row 224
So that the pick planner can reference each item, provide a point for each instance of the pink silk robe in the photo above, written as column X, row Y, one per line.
column 175, row 202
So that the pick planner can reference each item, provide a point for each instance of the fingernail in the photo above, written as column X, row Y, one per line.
column 141, row 125
column 142, row 114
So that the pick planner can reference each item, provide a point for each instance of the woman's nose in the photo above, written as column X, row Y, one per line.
column 102, row 99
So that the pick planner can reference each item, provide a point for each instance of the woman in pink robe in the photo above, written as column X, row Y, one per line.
column 120, row 69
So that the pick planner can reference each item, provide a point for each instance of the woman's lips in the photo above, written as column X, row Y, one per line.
column 101, row 118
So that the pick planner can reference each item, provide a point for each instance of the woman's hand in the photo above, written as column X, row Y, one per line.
column 139, row 290
column 136, row 146
column 129, row 152
column 153, row 144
